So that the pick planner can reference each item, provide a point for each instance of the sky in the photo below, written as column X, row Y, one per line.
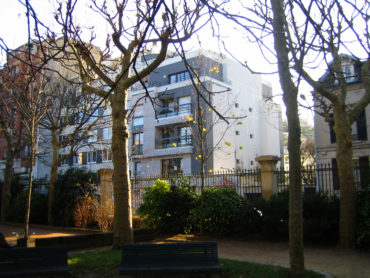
column 13, row 31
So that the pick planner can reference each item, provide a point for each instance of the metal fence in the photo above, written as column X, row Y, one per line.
column 321, row 178
column 244, row 182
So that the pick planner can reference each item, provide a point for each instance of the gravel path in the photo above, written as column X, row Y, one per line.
column 336, row 262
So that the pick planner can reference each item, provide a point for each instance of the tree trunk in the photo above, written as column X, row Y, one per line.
column 6, row 190
column 53, row 174
column 290, row 92
column 122, row 228
column 343, row 132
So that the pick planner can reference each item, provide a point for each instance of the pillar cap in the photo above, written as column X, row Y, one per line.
column 263, row 158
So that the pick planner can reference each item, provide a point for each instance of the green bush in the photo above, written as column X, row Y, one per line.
column 218, row 210
column 320, row 218
column 69, row 188
column 167, row 209
column 39, row 208
column 363, row 218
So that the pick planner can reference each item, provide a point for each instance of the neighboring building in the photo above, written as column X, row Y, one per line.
column 324, row 133
column 164, row 138
column 12, row 83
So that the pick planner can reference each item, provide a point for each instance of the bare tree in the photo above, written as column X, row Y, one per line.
column 11, row 129
column 136, row 26
column 66, row 126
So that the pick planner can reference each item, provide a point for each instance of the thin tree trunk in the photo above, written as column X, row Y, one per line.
column 347, row 223
column 122, row 228
column 290, row 92
column 53, row 174
column 6, row 190
column 30, row 181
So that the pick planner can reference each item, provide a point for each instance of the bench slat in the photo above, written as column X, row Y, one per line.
column 170, row 258
column 33, row 261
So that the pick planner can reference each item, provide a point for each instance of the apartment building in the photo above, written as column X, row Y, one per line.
column 163, row 136
column 324, row 132
column 165, row 131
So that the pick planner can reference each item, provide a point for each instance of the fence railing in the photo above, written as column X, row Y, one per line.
column 244, row 182
column 321, row 178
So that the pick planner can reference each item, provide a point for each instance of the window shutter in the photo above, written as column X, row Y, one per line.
column 84, row 158
column 361, row 127
column 331, row 127
column 99, row 158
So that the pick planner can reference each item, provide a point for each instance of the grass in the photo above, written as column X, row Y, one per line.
column 105, row 263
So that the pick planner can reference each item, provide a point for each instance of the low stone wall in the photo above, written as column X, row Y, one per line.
column 94, row 240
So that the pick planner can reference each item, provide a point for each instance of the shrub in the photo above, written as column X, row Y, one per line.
column 320, row 217
column 363, row 218
column 218, row 210
column 39, row 208
column 68, row 191
column 167, row 209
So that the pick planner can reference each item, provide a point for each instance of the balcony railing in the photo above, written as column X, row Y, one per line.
column 137, row 149
column 173, row 142
column 176, row 110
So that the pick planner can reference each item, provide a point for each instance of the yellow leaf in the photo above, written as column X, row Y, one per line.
column 209, row 109
column 200, row 155
column 196, row 158
column 147, row 166
column 228, row 144
column 210, row 171
column 198, row 83
column 194, row 122
column 239, row 123
column 241, row 148
column 233, row 115
column 174, row 144
column 204, row 129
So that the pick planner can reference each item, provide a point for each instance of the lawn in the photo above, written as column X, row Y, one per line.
column 105, row 263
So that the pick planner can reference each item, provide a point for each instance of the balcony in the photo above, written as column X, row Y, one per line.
column 173, row 142
column 137, row 149
column 176, row 110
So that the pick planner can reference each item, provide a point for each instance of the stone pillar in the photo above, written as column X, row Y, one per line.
column 268, row 177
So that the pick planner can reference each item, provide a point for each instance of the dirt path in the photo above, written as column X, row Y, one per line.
column 11, row 230
column 336, row 262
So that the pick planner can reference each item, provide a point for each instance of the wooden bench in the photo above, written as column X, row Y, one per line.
column 33, row 262
column 172, row 258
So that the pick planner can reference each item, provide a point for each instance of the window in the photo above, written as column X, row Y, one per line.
column 185, row 136
column 93, row 136
column 95, row 114
column 91, row 157
column 185, row 105
column 237, row 132
column 359, row 128
column 237, row 161
column 137, row 143
column 171, row 166
column 349, row 73
column 236, row 105
column 179, row 77
column 250, row 109
column 137, row 168
column 107, row 155
column 64, row 162
column 107, row 133
column 77, row 159
column 252, row 162
column 137, row 121
column 251, row 136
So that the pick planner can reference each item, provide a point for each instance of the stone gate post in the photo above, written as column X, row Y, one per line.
column 268, row 176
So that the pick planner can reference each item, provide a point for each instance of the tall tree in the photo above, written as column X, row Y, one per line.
column 136, row 26
column 329, row 28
